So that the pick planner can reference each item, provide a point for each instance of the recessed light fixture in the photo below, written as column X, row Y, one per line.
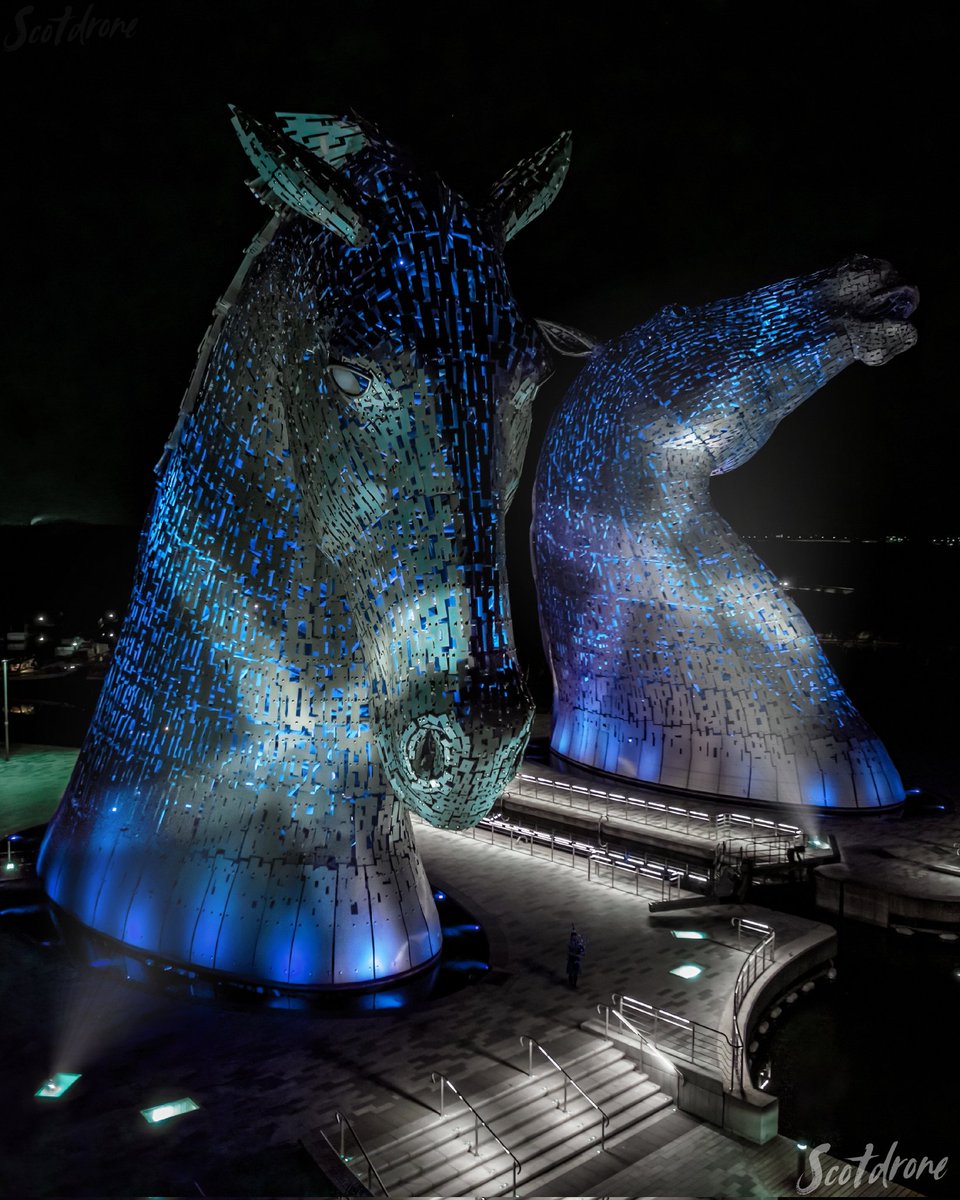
column 687, row 971
column 55, row 1086
column 693, row 935
column 163, row 1112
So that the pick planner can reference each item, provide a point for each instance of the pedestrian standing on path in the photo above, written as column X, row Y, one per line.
column 576, row 948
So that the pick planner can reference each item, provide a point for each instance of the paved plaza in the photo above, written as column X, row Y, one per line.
column 266, row 1078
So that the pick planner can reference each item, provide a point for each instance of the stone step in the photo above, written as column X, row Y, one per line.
column 504, row 1073
column 343, row 1177
column 599, row 1165
column 529, row 1121
column 554, row 1150
column 505, row 1113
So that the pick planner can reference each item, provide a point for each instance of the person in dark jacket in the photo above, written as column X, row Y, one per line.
column 576, row 948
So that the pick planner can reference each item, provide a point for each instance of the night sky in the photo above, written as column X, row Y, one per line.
column 717, row 147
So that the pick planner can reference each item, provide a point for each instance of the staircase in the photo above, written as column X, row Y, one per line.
column 435, row 1157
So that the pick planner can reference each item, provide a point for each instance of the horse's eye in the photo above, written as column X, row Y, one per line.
column 349, row 381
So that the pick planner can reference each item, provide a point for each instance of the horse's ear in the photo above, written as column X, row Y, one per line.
column 570, row 342
column 331, row 138
column 529, row 189
column 290, row 179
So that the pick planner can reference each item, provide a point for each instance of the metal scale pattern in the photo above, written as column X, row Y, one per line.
column 319, row 639
column 677, row 656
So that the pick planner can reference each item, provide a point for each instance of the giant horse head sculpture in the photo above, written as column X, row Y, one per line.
column 319, row 638
column 677, row 656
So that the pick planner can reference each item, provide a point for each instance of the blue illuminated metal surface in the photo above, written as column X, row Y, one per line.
column 677, row 656
column 319, row 637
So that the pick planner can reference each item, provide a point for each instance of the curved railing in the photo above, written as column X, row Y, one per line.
column 478, row 1121
column 372, row 1172
column 675, row 1036
column 759, row 957
column 646, row 1045
column 532, row 1044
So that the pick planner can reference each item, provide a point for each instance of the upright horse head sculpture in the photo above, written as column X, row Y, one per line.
column 319, row 637
column 677, row 656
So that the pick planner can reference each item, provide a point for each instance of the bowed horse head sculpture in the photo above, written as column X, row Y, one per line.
column 319, row 638
column 677, row 656
column 410, row 446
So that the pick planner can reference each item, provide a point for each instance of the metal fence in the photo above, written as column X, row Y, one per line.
column 758, row 838
column 648, row 874
column 680, row 1038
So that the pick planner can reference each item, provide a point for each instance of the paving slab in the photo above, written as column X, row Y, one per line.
column 265, row 1078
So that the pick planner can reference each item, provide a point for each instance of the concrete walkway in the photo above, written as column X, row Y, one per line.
column 265, row 1078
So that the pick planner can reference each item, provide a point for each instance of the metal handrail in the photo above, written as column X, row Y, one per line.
column 666, row 876
column 713, row 1037
column 749, row 974
column 372, row 1172
column 567, row 1078
column 713, row 826
column 448, row 1083
column 648, row 1044
column 518, row 833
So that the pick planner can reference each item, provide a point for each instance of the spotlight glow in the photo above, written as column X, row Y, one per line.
column 693, row 935
column 687, row 971
column 163, row 1112
column 55, row 1086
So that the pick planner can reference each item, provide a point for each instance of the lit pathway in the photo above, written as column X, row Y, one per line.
column 265, row 1078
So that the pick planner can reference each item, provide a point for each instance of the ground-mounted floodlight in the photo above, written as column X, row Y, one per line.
column 163, row 1112
column 691, row 935
column 687, row 971
column 55, row 1086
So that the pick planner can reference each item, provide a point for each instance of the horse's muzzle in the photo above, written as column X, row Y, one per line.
column 450, row 765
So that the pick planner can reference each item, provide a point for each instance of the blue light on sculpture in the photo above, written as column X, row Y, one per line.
column 677, row 656
column 319, row 638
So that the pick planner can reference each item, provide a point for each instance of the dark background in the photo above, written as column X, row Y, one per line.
column 717, row 147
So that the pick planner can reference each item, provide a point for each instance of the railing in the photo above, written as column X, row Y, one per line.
column 736, row 827
column 567, row 1079
column 680, row 1037
column 643, row 868
column 762, row 955
column 646, row 1045
column 478, row 1121
column 372, row 1172
column 636, row 807
column 665, row 877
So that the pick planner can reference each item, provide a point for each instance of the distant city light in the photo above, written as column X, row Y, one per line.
column 163, row 1112
column 56, row 1085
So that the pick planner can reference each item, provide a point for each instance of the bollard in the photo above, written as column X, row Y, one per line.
column 803, row 1163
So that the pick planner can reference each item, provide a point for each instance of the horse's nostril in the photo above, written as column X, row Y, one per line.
column 899, row 303
column 426, row 754
column 427, row 750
